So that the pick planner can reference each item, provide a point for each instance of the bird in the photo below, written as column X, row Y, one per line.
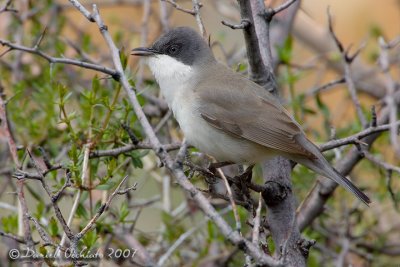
column 223, row 113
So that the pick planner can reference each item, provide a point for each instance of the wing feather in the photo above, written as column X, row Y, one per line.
column 251, row 113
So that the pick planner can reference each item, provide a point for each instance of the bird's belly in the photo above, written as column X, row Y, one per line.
column 216, row 143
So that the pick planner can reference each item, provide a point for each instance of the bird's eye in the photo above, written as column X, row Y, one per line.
column 173, row 49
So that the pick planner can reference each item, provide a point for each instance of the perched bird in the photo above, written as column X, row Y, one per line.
column 223, row 113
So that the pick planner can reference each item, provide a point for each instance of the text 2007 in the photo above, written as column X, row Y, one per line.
column 120, row 253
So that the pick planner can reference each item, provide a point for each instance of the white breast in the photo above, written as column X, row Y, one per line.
column 173, row 77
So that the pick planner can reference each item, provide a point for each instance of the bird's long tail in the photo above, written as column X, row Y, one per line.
column 322, row 166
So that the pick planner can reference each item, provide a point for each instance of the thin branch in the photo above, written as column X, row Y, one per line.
column 164, row 16
column 257, row 220
column 85, row 173
column 356, row 138
column 40, row 39
column 199, row 20
column 130, row 133
column 23, row 222
column 243, row 24
column 24, row 208
column 324, row 87
column 67, row 61
column 128, row 148
column 163, row 121
column 390, row 89
column 14, row 237
column 132, row 242
column 183, row 237
column 386, row 166
column 283, row 6
column 10, row 140
column 83, row 10
column 45, row 237
column 178, row 7
column 57, row 210
column 101, row 210
column 347, row 60
column 6, row 7
column 231, row 200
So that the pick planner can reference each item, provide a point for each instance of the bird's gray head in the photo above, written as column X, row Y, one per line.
column 182, row 44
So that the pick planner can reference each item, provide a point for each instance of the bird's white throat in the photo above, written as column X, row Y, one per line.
column 166, row 67
column 170, row 74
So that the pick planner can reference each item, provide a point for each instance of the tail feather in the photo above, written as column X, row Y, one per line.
column 322, row 166
column 343, row 181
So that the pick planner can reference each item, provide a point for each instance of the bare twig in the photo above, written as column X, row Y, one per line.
column 283, row 6
column 85, row 170
column 347, row 60
column 199, row 20
column 345, row 244
column 101, row 210
column 67, row 61
column 326, row 86
column 178, row 7
column 45, row 237
column 143, row 39
column 257, row 220
column 356, row 138
column 243, row 24
column 14, row 237
column 23, row 221
column 10, row 140
column 163, row 121
column 27, row 229
column 390, row 89
column 183, row 237
column 386, row 166
column 57, row 210
column 6, row 7
column 164, row 16
column 132, row 242
column 128, row 148
column 231, row 200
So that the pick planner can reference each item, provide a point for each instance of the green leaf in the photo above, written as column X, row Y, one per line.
column 95, row 85
column 40, row 208
column 123, row 212
column 53, row 227
column 106, row 186
column 81, row 211
column 285, row 51
column 10, row 223
column 124, row 58
column 136, row 159
column 89, row 239
column 86, row 40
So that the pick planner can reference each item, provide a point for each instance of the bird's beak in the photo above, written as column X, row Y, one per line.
column 143, row 51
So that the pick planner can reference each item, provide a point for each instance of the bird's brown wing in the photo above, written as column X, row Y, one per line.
column 241, row 109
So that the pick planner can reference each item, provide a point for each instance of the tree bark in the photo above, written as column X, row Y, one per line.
column 278, row 195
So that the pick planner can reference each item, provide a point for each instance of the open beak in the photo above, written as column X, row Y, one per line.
column 143, row 51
